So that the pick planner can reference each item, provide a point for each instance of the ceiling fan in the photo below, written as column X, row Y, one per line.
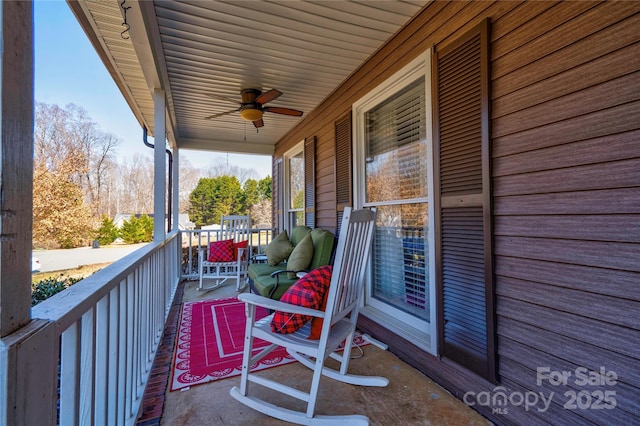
column 252, row 106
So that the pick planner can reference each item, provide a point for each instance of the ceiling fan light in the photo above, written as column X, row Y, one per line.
column 250, row 114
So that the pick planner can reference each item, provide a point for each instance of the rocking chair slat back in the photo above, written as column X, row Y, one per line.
column 236, row 228
column 339, row 326
column 351, row 262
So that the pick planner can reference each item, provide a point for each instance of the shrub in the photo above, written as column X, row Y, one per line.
column 107, row 233
column 44, row 289
column 137, row 230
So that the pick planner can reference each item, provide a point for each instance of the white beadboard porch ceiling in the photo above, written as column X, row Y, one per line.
column 195, row 49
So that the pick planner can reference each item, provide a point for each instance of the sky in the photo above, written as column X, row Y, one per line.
column 68, row 70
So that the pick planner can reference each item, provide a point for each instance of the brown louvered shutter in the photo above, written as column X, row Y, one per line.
column 464, row 277
column 277, row 194
column 343, row 167
column 310, row 182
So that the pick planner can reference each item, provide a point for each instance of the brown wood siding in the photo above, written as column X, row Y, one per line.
column 566, row 167
column 565, row 104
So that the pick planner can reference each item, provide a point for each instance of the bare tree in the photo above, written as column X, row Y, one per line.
column 221, row 167
column 54, row 148
column 69, row 143
column 71, row 149
column 189, row 177
column 261, row 213
column 133, row 185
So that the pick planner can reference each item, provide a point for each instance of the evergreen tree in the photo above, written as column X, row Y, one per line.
column 137, row 230
column 250, row 195
column 215, row 197
column 265, row 186
column 146, row 224
column 107, row 233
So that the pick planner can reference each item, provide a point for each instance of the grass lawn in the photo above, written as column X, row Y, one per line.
column 80, row 272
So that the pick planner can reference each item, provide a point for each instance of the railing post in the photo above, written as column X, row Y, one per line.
column 28, row 377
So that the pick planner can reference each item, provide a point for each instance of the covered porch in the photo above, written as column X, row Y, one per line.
column 521, row 179
column 87, row 355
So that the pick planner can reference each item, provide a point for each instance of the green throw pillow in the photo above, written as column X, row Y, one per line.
column 278, row 249
column 301, row 256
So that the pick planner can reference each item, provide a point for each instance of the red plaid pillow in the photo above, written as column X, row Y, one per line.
column 221, row 251
column 309, row 292
column 236, row 246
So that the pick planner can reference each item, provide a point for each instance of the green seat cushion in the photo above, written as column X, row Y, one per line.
column 323, row 242
column 278, row 249
column 264, row 285
column 264, row 269
column 301, row 256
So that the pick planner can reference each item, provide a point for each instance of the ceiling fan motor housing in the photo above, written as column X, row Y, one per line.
column 250, row 110
column 252, row 106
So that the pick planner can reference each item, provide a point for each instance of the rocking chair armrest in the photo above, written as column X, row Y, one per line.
column 276, row 305
column 241, row 256
column 278, row 272
column 258, row 258
column 277, row 275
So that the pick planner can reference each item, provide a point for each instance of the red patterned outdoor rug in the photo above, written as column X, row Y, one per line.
column 210, row 342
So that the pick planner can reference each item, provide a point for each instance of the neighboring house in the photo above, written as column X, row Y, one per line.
column 499, row 142
column 120, row 218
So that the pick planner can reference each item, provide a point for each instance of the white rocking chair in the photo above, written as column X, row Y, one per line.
column 238, row 229
column 340, row 317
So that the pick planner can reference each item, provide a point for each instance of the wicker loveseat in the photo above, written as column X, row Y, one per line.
column 272, row 280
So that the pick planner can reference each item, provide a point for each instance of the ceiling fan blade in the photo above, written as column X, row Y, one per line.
column 221, row 114
column 283, row 111
column 258, row 123
column 268, row 96
column 224, row 98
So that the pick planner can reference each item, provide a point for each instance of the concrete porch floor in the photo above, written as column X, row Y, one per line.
column 411, row 398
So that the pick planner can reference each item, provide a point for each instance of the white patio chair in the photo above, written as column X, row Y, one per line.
column 340, row 317
column 237, row 229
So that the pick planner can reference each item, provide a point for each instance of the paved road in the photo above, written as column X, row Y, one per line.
column 56, row 260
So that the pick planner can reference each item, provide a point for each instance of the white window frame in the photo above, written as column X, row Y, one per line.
column 422, row 333
column 287, row 210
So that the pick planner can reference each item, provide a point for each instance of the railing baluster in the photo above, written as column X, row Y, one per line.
column 113, row 367
column 70, row 375
column 102, row 360
column 87, row 367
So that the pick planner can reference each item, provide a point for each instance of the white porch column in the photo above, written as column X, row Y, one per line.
column 28, row 349
column 176, row 189
column 159, row 160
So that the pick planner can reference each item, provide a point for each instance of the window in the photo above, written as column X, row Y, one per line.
column 294, row 188
column 393, row 146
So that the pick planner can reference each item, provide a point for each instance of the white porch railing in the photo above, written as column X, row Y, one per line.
column 107, row 330
column 200, row 238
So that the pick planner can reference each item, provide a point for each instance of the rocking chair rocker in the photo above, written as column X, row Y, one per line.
column 339, row 324
column 231, row 257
